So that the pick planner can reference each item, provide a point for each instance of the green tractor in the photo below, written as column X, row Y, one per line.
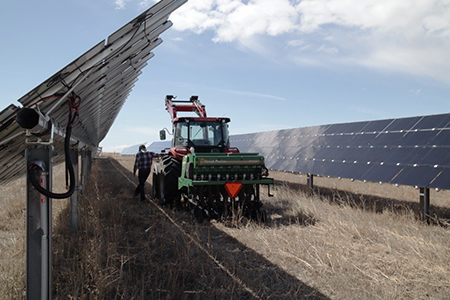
column 201, row 170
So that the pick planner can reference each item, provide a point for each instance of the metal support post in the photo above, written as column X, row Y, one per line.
column 310, row 182
column 39, row 225
column 425, row 204
column 90, row 157
column 83, row 169
column 86, row 158
column 73, row 208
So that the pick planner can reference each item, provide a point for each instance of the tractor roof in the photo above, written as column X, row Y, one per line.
column 194, row 119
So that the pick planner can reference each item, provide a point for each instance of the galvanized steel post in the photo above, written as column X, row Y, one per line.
column 86, row 162
column 39, row 225
column 310, row 182
column 73, row 208
column 425, row 204
column 90, row 158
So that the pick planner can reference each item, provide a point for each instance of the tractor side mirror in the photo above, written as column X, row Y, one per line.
column 162, row 134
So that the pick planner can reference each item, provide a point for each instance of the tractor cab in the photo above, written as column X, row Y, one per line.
column 202, row 134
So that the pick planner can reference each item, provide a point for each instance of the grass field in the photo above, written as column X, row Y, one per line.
column 13, row 230
column 329, row 245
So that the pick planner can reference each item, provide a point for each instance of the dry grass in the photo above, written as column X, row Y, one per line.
column 13, row 233
column 323, row 246
column 387, row 191
column 12, row 240
column 130, row 250
column 349, row 253
column 352, row 251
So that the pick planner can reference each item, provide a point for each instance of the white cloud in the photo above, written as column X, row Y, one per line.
column 411, row 37
column 327, row 50
column 120, row 4
column 364, row 14
column 296, row 43
column 415, row 91
column 147, row 3
column 251, row 94
column 235, row 19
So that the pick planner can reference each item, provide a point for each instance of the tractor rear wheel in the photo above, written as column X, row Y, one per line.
column 168, row 180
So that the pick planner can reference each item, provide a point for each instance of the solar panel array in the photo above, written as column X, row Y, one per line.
column 103, row 77
column 407, row 151
column 132, row 150
column 156, row 147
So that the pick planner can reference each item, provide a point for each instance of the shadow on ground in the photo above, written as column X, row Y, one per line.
column 438, row 215
column 129, row 249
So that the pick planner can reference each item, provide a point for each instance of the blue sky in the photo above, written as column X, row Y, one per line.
column 266, row 64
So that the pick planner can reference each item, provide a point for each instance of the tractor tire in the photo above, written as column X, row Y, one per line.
column 168, row 180
column 155, row 191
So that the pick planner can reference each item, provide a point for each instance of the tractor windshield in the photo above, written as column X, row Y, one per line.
column 201, row 134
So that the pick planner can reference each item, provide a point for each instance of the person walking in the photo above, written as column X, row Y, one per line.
column 143, row 163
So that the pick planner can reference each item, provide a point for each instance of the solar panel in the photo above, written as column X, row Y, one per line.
column 156, row 147
column 12, row 163
column 102, row 78
column 407, row 151
column 132, row 150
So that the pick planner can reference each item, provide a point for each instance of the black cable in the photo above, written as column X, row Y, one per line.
column 69, row 166
column 35, row 182
column 145, row 32
column 58, row 78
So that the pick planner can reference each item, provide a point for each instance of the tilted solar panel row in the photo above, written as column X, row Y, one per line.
column 407, row 151
column 102, row 78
